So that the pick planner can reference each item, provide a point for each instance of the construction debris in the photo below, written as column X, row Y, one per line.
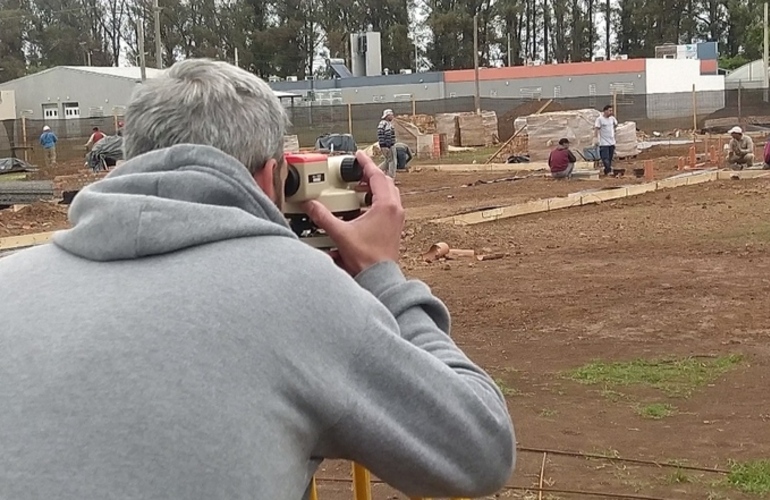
column 441, row 251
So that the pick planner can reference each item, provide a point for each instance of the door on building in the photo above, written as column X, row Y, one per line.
column 72, row 121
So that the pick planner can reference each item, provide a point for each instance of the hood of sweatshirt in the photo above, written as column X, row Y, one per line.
column 168, row 200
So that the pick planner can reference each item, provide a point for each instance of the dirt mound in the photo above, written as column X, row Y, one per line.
column 505, row 122
column 35, row 218
column 62, row 168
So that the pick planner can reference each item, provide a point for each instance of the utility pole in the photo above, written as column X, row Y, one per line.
column 609, row 26
column 477, row 95
column 509, row 49
column 140, row 36
column 765, row 58
column 158, row 49
column 236, row 56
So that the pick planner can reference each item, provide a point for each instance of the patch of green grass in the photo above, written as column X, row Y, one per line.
column 548, row 413
column 614, row 396
column 16, row 176
column 656, row 411
column 479, row 155
column 678, row 476
column 505, row 389
column 675, row 377
column 751, row 477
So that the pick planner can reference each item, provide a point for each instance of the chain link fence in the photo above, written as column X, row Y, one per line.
column 716, row 111
column 20, row 138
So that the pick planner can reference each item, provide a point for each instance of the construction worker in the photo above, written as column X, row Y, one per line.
column 386, row 138
column 740, row 151
column 227, row 358
column 403, row 155
column 561, row 161
column 604, row 129
column 96, row 136
column 48, row 140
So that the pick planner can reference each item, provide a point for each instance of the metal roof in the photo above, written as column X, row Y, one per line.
column 132, row 72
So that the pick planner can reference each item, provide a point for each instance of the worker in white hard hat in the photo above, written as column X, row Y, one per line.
column 386, row 138
column 740, row 151
column 48, row 141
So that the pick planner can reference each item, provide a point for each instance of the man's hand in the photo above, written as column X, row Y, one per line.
column 373, row 237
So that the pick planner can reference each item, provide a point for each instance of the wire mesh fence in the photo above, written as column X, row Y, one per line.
column 717, row 111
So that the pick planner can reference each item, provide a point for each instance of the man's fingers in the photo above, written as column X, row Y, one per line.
column 322, row 217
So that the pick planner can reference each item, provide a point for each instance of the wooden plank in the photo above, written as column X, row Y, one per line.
column 27, row 240
column 587, row 198
column 493, row 214
column 672, row 182
column 501, row 167
column 742, row 174
column 703, row 177
column 638, row 189
column 563, row 202
column 485, row 167
column 603, row 195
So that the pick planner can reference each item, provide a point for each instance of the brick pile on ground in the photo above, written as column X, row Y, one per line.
column 426, row 123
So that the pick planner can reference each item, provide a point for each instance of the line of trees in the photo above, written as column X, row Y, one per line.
column 285, row 37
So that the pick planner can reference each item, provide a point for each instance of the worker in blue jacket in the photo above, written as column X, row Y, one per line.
column 48, row 140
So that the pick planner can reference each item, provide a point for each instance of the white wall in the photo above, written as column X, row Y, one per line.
column 669, row 89
column 668, row 76
column 7, row 105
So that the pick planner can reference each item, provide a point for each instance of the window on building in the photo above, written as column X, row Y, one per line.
column 534, row 93
column 592, row 95
column 71, row 110
column 624, row 92
column 556, row 91
column 50, row 111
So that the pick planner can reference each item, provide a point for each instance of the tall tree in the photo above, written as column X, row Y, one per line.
column 14, row 19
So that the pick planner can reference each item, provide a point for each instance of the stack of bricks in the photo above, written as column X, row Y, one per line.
column 75, row 182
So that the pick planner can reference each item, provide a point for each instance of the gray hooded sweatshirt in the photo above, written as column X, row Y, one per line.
column 179, row 342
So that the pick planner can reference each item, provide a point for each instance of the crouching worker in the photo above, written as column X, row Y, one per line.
column 741, row 149
column 403, row 156
column 240, row 392
column 562, row 161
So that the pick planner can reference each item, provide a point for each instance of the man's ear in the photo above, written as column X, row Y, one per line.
column 266, row 177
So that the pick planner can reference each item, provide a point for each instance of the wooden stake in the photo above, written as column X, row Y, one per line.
column 542, row 474
column 694, row 110
column 24, row 137
column 516, row 133
column 350, row 119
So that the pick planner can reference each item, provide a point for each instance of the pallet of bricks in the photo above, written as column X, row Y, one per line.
column 468, row 129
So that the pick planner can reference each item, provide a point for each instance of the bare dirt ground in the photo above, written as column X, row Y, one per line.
column 681, row 274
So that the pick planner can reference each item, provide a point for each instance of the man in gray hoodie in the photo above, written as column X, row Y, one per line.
column 183, row 343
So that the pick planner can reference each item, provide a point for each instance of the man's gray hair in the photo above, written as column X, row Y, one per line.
column 200, row 101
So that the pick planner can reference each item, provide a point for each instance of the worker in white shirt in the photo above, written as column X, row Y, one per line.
column 604, row 131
